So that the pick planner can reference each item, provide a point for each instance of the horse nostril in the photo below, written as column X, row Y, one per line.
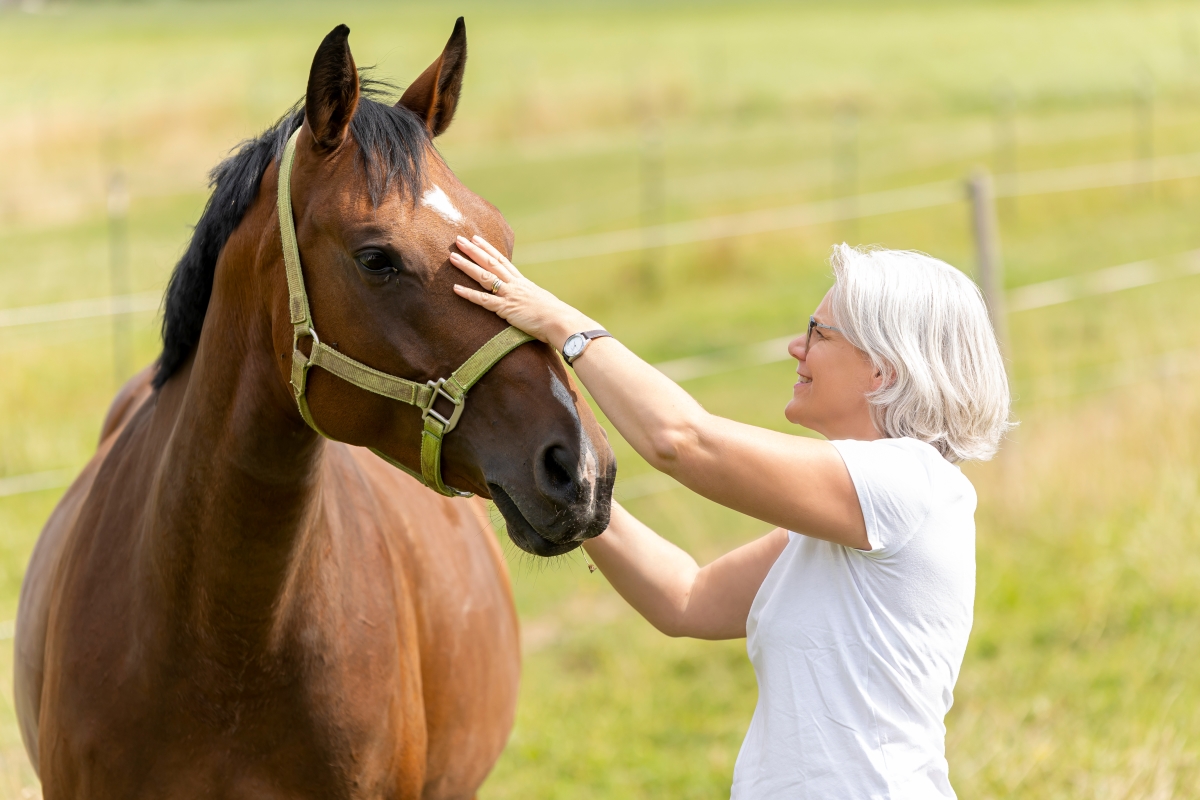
column 557, row 477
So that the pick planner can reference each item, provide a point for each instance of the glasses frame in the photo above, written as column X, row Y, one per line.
column 812, row 323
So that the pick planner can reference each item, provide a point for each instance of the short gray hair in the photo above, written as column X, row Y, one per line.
column 924, row 325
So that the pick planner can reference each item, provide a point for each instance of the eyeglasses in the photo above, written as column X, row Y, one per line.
column 812, row 323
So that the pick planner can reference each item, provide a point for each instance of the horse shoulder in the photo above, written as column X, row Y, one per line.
column 37, row 587
column 457, row 585
column 37, row 598
column 128, row 400
column 441, row 544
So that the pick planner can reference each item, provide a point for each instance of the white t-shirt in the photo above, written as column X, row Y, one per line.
column 857, row 652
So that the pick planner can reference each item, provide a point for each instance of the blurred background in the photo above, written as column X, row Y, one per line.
column 680, row 171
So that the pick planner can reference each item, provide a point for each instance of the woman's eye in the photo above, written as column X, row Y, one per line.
column 374, row 261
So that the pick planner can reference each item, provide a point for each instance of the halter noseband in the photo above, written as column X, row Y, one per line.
column 423, row 396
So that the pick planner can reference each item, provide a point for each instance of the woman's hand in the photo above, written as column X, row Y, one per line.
column 518, row 300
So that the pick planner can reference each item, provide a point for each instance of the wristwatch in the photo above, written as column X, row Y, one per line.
column 576, row 343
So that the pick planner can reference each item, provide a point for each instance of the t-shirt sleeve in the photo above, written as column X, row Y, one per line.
column 895, row 488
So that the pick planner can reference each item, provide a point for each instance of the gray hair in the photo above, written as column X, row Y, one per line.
column 925, row 327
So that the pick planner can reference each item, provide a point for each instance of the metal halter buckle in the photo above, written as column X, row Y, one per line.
column 299, row 333
column 428, row 411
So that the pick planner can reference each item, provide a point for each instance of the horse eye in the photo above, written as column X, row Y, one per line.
column 374, row 261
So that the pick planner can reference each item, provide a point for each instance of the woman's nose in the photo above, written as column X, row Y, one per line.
column 797, row 348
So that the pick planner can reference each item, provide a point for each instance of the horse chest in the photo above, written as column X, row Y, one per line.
column 368, row 692
column 294, row 726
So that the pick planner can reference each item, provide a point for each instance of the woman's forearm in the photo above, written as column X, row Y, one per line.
column 660, row 420
column 653, row 575
column 665, row 585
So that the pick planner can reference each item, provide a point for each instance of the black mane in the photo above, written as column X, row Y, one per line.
column 391, row 142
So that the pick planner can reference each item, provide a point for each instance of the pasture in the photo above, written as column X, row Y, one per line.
column 1079, row 680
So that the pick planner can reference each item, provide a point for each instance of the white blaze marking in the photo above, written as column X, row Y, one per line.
column 589, row 471
column 436, row 199
column 588, row 468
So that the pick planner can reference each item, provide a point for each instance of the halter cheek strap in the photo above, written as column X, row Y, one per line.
column 422, row 395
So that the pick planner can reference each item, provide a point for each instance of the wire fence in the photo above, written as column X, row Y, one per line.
column 726, row 226
column 1039, row 295
column 1026, row 298
column 35, row 482
column 72, row 310
column 1104, row 281
column 871, row 204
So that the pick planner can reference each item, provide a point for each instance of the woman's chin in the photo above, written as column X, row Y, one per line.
column 799, row 410
column 793, row 412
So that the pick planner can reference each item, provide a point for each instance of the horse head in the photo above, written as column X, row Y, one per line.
column 376, row 212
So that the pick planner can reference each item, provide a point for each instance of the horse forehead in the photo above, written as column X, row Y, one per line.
column 444, row 195
column 455, row 202
column 435, row 197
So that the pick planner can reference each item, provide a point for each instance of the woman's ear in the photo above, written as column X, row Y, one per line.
column 881, row 379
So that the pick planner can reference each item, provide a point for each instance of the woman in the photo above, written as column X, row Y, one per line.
column 857, row 608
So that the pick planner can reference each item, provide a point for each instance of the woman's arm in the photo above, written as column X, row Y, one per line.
column 794, row 482
column 671, row 591
column 797, row 483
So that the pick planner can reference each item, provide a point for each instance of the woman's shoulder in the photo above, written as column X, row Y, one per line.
column 907, row 467
column 900, row 454
column 900, row 484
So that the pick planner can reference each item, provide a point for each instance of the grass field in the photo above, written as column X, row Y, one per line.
column 1079, row 681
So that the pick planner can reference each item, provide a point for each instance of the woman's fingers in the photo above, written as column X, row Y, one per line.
column 496, row 254
column 473, row 270
column 489, row 301
column 476, row 254
column 483, row 258
column 482, row 254
column 484, row 245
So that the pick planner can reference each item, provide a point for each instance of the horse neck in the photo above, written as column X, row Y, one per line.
column 237, row 497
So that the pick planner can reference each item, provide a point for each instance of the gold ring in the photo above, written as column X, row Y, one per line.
column 496, row 285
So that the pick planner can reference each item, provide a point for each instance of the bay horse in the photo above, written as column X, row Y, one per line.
column 227, row 604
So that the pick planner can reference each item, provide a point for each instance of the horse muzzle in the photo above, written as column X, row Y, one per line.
column 568, row 501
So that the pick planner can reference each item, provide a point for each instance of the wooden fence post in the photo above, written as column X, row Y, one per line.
column 987, row 249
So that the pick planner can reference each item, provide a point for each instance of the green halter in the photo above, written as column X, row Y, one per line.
column 423, row 396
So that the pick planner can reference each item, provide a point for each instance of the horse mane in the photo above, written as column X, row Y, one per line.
column 392, row 142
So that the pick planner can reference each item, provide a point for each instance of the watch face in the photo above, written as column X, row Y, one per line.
column 573, row 346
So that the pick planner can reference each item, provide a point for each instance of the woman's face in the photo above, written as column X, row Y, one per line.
column 835, row 378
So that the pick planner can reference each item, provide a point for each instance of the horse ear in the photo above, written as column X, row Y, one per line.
column 434, row 95
column 332, row 92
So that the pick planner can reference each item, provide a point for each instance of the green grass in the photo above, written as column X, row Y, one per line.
column 1078, row 681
